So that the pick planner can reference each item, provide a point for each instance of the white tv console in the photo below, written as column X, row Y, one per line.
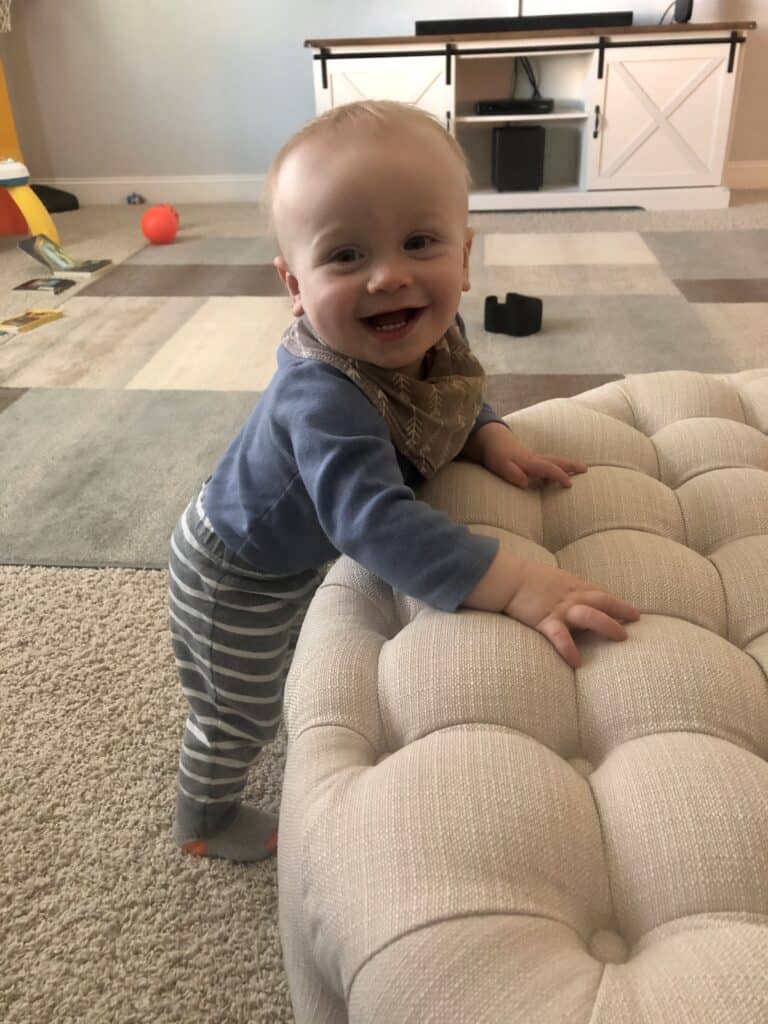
column 643, row 115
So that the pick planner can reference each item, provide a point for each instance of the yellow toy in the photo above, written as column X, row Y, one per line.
column 14, row 181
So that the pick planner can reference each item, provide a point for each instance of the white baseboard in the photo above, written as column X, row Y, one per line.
column 228, row 188
column 747, row 174
column 247, row 188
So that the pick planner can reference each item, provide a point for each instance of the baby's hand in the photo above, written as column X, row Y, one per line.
column 553, row 602
column 505, row 456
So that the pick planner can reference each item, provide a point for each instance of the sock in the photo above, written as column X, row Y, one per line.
column 251, row 834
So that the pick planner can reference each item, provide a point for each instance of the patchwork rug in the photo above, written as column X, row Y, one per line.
column 112, row 416
column 109, row 418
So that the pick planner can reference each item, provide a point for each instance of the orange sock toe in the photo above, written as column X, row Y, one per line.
column 197, row 847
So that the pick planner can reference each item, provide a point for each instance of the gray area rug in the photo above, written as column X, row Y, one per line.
column 116, row 472
column 103, row 920
column 99, row 478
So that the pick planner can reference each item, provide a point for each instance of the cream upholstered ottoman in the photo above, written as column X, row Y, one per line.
column 473, row 831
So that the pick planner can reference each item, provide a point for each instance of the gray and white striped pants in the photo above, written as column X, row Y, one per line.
column 234, row 630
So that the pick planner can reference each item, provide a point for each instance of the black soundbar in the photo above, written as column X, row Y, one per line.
column 526, row 23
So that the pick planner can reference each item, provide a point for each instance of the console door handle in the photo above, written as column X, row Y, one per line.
column 596, row 132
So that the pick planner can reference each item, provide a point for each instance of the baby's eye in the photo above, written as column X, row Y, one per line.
column 348, row 255
column 419, row 242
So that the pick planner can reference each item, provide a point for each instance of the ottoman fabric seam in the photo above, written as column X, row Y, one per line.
column 328, row 585
column 741, row 402
column 628, row 400
column 595, row 1005
column 332, row 725
column 455, row 917
column 725, row 600
column 682, row 518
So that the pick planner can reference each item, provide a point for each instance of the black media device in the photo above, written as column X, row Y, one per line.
column 529, row 106
column 683, row 10
column 526, row 23
column 518, row 158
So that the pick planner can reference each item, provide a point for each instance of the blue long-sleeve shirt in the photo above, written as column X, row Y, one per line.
column 313, row 472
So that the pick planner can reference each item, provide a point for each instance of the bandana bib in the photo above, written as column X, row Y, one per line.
column 429, row 419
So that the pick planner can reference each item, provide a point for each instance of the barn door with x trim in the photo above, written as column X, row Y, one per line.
column 417, row 80
column 660, row 117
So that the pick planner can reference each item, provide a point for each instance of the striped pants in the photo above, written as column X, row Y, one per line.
column 234, row 630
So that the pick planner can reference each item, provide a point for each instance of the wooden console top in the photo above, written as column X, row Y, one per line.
column 690, row 28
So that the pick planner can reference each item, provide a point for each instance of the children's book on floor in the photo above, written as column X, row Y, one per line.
column 27, row 321
column 45, row 284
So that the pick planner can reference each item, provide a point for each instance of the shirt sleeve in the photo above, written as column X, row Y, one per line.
column 486, row 415
column 348, row 465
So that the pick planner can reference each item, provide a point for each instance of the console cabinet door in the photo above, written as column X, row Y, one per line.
column 417, row 80
column 660, row 117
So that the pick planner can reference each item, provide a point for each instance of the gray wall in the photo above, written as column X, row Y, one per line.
column 105, row 88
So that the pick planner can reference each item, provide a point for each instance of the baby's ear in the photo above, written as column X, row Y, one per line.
column 290, row 282
column 468, row 239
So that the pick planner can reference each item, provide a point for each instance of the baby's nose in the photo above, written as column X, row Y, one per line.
column 389, row 275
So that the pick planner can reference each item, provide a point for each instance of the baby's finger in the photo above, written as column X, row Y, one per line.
column 513, row 474
column 607, row 602
column 584, row 616
column 547, row 470
column 558, row 634
column 569, row 465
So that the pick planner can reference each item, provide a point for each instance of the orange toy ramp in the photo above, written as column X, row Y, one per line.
column 12, row 221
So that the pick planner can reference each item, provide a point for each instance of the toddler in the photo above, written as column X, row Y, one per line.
column 375, row 390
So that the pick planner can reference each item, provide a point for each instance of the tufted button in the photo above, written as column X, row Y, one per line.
column 582, row 766
column 608, row 947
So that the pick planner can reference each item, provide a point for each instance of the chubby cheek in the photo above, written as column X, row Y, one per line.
column 336, row 305
column 446, row 292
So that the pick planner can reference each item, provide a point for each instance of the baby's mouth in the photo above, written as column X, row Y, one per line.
column 393, row 321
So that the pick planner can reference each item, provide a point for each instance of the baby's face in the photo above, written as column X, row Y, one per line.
column 375, row 243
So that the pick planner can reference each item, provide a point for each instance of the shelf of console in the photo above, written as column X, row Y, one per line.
column 484, row 119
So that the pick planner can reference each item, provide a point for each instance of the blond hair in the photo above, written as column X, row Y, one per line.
column 381, row 114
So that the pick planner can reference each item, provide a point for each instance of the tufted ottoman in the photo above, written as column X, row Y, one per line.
column 471, row 831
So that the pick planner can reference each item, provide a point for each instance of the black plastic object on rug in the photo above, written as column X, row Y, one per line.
column 518, row 315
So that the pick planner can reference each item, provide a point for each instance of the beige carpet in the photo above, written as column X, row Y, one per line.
column 102, row 921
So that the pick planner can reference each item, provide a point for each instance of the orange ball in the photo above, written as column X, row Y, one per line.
column 160, row 224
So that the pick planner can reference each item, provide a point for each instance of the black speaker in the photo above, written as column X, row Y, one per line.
column 518, row 158
column 683, row 10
